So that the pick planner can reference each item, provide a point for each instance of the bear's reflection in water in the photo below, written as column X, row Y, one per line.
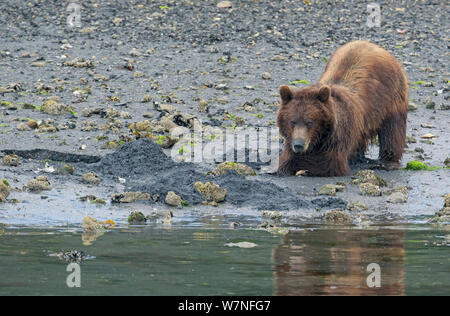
column 334, row 262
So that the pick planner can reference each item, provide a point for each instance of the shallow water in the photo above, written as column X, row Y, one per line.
column 168, row 260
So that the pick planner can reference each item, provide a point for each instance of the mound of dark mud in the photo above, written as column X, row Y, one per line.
column 138, row 158
column 264, row 195
column 150, row 170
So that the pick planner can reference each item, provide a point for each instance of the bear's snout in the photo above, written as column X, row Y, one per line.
column 298, row 145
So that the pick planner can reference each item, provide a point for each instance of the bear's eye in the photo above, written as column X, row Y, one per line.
column 309, row 125
column 292, row 123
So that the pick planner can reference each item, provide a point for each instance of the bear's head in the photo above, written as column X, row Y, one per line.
column 304, row 116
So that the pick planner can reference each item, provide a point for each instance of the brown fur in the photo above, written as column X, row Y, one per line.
column 362, row 93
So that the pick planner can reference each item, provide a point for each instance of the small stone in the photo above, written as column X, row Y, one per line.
column 66, row 170
column 136, row 218
column 274, row 215
column 447, row 162
column 4, row 191
column 130, row 197
column 147, row 98
column 412, row 107
column 338, row 216
column 10, row 160
column 211, row 191
column 397, row 197
column 331, row 189
column 266, row 76
column 203, row 106
column 135, row 53
column 430, row 105
column 240, row 168
column 225, row 4
column 90, row 224
column 369, row 176
column 38, row 64
column 22, row 127
column 356, row 206
column 173, row 199
column 328, row 189
column 447, row 200
column 410, row 139
column 39, row 184
column 91, row 178
column 401, row 188
column 369, row 189
column 53, row 107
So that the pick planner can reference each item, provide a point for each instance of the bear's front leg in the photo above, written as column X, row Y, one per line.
column 287, row 164
column 332, row 165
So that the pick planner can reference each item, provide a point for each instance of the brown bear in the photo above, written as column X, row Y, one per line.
column 362, row 93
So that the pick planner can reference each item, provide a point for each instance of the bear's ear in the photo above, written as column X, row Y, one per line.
column 286, row 94
column 324, row 93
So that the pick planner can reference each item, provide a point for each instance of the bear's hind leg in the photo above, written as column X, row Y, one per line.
column 392, row 137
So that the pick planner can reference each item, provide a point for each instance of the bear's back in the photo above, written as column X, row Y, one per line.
column 361, row 63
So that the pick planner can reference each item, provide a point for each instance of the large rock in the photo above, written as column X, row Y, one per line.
column 240, row 168
column 211, row 191
column 173, row 199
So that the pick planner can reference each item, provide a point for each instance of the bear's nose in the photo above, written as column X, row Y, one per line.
column 298, row 145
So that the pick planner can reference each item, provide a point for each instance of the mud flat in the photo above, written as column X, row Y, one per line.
column 73, row 102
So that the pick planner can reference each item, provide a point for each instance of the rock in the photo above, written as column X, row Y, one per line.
column 147, row 98
column 445, row 107
column 136, row 218
column 10, row 160
column 163, row 140
column 130, row 197
column 66, row 170
column 90, row 224
column 443, row 216
column 22, row 127
column 79, row 63
column 447, row 200
column 211, row 191
column 369, row 189
column 173, row 199
column 338, row 216
column 274, row 215
column 401, row 188
column 430, row 105
column 410, row 139
column 38, row 64
column 39, row 184
column 331, row 189
column 397, row 197
column 91, row 178
column 412, row 107
column 203, row 106
column 53, row 107
column 369, row 176
column 224, row 4
column 92, row 199
column 142, row 126
column 266, row 76
column 240, row 168
column 4, row 191
column 135, row 53
column 447, row 162
column 357, row 206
